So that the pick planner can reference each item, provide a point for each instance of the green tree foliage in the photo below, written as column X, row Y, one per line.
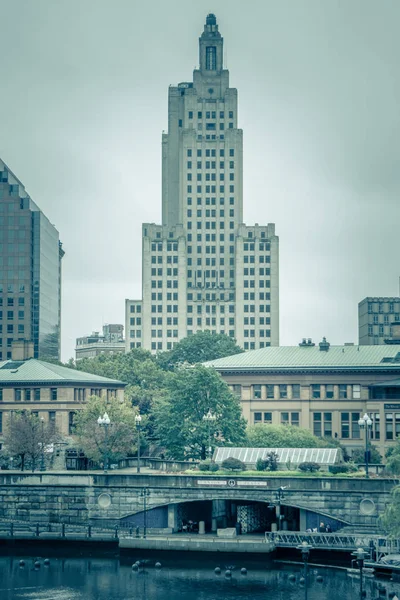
column 309, row 467
column 198, row 348
column 233, row 464
column 390, row 520
column 282, row 436
column 358, row 456
column 179, row 422
column 26, row 437
column 121, row 438
column 393, row 459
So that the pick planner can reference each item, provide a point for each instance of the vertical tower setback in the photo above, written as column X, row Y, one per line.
column 203, row 268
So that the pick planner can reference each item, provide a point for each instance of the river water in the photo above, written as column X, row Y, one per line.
column 109, row 579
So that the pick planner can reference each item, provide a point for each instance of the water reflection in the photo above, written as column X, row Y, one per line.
column 108, row 579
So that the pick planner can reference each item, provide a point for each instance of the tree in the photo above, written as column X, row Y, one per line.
column 198, row 348
column 390, row 520
column 281, row 436
column 358, row 456
column 233, row 464
column 179, row 422
column 26, row 436
column 121, row 434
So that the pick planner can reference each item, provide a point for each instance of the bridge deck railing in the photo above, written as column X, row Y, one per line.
column 342, row 541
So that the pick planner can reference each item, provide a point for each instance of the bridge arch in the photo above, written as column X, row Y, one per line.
column 255, row 515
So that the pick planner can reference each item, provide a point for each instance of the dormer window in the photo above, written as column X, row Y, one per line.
column 211, row 58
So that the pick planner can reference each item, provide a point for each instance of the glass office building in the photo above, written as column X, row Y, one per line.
column 30, row 272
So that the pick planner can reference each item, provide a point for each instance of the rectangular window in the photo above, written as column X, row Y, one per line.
column 283, row 391
column 329, row 391
column 36, row 394
column 290, row 418
column 356, row 391
column 27, row 395
column 71, row 426
column 376, row 426
column 53, row 394
column 342, row 391
column 296, row 391
column 270, row 391
column 316, row 391
column 257, row 391
column 17, row 395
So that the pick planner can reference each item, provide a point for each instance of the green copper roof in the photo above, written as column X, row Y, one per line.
column 311, row 357
column 35, row 371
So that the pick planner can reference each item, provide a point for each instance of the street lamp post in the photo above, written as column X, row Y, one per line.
column 143, row 495
column 138, row 421
column 366, row 423
column 105, row 421
column 359, row 556
column 42, row 466
column 305, row 548
column 209, row 418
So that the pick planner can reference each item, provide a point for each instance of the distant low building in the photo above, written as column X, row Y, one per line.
column 111, row 342
column 322, row 388
column 377, row 318
column 53, row 392
column 286, row 457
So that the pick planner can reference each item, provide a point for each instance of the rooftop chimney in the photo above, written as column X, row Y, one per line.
column 324, row 345
column 306, row 343
column 21, row 350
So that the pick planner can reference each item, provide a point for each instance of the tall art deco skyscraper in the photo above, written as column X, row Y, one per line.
column 203, row 269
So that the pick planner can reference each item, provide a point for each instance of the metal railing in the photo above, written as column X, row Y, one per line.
column 335, row 541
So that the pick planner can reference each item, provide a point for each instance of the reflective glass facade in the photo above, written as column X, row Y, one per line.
column 30, row 272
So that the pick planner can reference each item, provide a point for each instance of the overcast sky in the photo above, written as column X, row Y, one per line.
column 83, row 99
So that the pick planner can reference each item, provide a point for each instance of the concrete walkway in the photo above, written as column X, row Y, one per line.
column 199, row 543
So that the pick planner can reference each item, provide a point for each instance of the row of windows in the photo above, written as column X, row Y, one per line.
column 169, row 272
column 212, row 225
column 252, row 259
column 136, row 308
column 210, row 189
column 328, row 391
column 210, row 114
column 159, row 296
column 211, row 201
column 159, row 333
column 158, row 246
column 51, row 415
column 136, row 321
column 159, row 259
column 208, row 177
column 210, row 213
column 12, row 288
column 251, row 283
column 261, row 296
column 210, row 309
column 210, row 296
column 10, row 301
column 170, row 284
column 213, row 321
column 386, row 321
column 250, row 247
column 261, row 271
column 252, row 321
column 10, row 315
column 135, row 333
column 210, row 152
column 12, row 329
column 380, row 331
column 391, row 307
column 159, row 308
column 210, row 164
column 159, row 320
column 252, row 333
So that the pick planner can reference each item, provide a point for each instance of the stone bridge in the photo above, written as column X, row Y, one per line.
column 114, row 498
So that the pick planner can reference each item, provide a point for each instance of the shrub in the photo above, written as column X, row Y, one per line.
column 233, row 464
column 204, row 465
column 358, row 456
column 272, row 460
column 310, row 467
column 261, row 464
column 336, row 469
column 393, row 465
column 214, row 467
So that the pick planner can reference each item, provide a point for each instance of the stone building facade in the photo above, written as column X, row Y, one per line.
column 322, row 388
column 202, row 268
column 52, row 392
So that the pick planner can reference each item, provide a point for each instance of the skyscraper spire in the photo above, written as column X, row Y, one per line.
column 211, row 46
